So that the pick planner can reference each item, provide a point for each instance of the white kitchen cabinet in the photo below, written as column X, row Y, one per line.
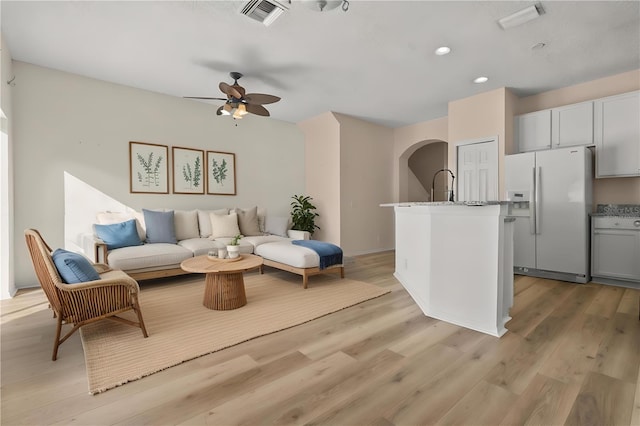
column 572, row 125
column 615, row 254
column 533, row 131
column 617, row 135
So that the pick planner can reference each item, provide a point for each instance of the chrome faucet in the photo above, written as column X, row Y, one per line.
column 433, row 182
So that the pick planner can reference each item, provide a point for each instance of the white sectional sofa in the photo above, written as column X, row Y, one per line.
column 156, row 253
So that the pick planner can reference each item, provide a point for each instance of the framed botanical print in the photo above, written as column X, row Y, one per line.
column 221, row 173
column 148, row 168
column 188, row 165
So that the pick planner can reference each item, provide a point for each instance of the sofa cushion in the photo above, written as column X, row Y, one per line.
column 148, row 256
column 245, row 246
column 201, row 246
column 204, row 221
column 186, row 224
column 107, row 218
column 248, row 221
column 277, row 225
column 224, row 225
column 73, row 267
column 160, row 226
column 116, row 235
column 289, row 254
column 255, row 241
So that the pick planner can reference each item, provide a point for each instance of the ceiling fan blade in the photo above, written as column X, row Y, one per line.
column 260, row 98
column 200, row 97
column 229, row 90
column 257, row 110
column 219, row 110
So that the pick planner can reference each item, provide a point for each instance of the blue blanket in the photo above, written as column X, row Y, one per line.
column 330, row 254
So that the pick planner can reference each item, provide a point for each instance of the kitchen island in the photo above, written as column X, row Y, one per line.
column 456, row 261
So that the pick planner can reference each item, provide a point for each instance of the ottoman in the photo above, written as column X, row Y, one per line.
column 296, row 259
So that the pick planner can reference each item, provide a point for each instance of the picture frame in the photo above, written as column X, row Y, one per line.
column 188, row 167
column 221, row 173
column 148, row 168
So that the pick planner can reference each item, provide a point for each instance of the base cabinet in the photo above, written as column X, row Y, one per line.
column 615, row 254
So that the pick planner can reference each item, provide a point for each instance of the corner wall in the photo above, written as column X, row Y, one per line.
column 68, row 123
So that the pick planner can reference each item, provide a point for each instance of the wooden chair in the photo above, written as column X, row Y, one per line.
column 87, row 302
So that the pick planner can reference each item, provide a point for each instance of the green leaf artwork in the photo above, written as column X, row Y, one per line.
column 151, row 175
column 219, row 170
column 192, row 176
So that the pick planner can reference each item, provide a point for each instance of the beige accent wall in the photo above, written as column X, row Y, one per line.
column 408, row 139
column 366, row 153
column 608, row 190
column 322, row 173
column 482, row 116
column 68, row 123
column 424, row 163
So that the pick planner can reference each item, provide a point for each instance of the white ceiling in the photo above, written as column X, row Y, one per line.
column 375, row 62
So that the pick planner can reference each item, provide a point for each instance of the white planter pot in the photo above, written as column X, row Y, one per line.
column 233, row 251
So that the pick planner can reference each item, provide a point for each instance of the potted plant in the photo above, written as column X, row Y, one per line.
column 303, row 214
column 233, row 247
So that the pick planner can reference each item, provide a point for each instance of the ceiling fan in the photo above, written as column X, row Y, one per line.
column 238, row 103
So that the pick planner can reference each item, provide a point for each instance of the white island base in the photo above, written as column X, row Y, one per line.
column 456, row 262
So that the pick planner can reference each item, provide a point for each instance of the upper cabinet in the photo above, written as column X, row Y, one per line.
column 617, row 135
column 533, row 131
column 570, row 125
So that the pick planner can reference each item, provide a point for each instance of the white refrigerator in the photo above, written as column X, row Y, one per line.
column 551, row 195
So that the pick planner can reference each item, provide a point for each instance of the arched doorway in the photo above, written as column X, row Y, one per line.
column 417, row 166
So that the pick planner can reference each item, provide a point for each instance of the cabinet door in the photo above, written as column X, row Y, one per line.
column 615, row 254
column 572, row 125
column 533, row 131
column 617, row 135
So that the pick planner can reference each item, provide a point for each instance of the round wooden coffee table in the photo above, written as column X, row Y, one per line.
column 224, row 285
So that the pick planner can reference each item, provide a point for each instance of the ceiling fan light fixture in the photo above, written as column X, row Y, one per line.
column 242, row 109
column 226, row 109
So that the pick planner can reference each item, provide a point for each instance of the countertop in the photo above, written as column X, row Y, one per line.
column 617, row 210
column 447, row 203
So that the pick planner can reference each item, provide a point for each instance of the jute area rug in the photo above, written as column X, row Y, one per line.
column 180, row 328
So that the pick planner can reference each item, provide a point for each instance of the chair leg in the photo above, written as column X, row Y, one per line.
column 57, row 342
column 136, row 307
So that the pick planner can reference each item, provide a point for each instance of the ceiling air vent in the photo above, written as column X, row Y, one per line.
column 265, row 11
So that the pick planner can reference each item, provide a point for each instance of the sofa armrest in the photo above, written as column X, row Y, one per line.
column 100, row 251
column 298, row 235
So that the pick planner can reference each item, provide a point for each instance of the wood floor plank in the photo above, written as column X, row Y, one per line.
column 546, row 401
column 602, row 400
column 607, row 302
column 420, row 340
column 619, row 353
column 479, row 405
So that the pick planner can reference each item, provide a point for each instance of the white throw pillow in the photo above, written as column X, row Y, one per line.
column 224, row 225
column 277, row 225
column 186, row 224
column 204, row 221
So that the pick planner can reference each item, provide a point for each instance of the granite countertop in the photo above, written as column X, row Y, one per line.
column 448, row 203
column 617, row 210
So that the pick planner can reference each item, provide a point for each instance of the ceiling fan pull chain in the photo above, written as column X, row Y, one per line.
column 345, row 5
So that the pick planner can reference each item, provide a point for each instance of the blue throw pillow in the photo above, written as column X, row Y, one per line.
column 160, row 227
column 116, row 235
column 73, row 267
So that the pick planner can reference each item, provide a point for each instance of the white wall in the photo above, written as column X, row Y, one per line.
column 67, row 123
column 7, row 284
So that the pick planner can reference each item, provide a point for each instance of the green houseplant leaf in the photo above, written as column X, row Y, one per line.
column 303, row 214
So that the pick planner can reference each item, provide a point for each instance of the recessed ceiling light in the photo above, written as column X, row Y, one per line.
column 481, row 80
column 442, row 50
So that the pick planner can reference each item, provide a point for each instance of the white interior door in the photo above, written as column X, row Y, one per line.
column 478, row 171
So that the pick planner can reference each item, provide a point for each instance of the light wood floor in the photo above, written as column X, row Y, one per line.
column 572, row 356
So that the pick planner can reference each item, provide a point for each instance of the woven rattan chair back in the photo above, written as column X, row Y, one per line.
column 79, row 304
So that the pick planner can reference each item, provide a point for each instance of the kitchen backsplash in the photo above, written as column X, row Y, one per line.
column 619, row 209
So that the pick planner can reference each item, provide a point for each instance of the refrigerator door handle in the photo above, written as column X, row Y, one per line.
column 532, row 204
column 537, row 197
